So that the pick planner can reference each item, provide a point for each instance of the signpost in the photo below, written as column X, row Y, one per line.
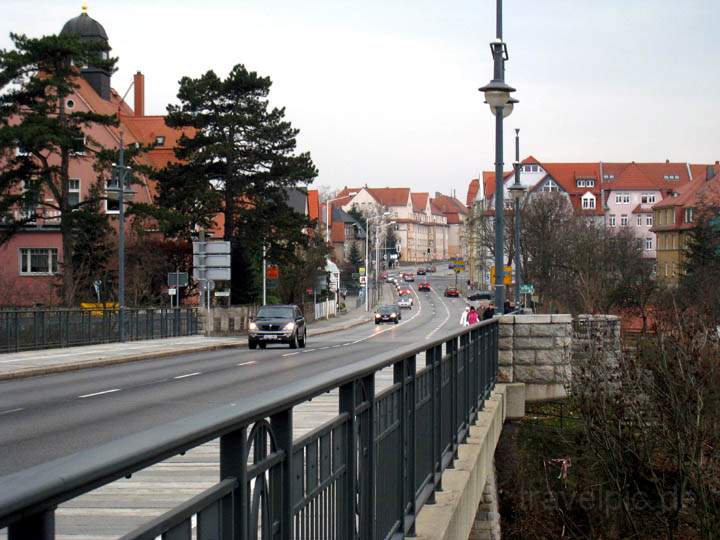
column 175, row 280
column 507, row 275
column 211, row 260
column 525, row 289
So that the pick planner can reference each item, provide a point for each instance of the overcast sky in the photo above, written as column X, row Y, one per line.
column 385, row 91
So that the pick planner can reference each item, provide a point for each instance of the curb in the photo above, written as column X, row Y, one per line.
column 101, row 362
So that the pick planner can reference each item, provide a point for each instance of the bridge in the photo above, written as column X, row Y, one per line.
column 385, row 438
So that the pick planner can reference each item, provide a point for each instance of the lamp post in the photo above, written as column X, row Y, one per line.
column 367, row 256
column 517, row 192
column 497, row 95
column 120, row 174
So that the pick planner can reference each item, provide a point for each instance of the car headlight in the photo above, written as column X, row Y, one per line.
column 377, row 315
column 290, row 326
column 253, row 326
column 392, row 315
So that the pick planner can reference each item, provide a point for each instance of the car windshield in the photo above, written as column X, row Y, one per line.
column 276, row 312
column 386, row 310
column 404, row 298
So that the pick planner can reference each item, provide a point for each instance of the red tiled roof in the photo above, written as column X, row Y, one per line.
column 531, row 160
column 313, row 204
column 473, row 189
column 419, row 201
column 435, row 209
column 449, row 204
column 489, row 181
column 453, row 219
column 390, row 196
column 337, row 231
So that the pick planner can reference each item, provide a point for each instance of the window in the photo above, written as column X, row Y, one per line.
column 608, row 176
column 160, row 140
column 623, row 220
column 38, row 262
column 112, row 206
column 588, row 201
column 639, row 220
column 649, row 220
column 647, row 198
column 585, row 183
column 688, row 215
column 671, row 177
column 70, row 104
column 20, row 151
column 549, row 186
column 648, row 243
column 612, row 220
column 78, row 147
column 74, row 191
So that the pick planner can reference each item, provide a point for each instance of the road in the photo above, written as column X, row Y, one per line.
column 45, row 418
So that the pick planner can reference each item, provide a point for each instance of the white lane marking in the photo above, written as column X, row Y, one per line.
column 12, row 411
column 188, row 375
column 444, row 320
column 100, row 393
column 284, row 355
column 322, row 348
column 247, row 363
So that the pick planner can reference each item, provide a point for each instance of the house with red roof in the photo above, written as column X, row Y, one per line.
column 674, row 218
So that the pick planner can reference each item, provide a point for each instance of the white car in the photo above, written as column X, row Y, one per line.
column 405, row 302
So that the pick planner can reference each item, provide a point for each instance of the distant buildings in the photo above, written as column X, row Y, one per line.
column 618, row 195
column 426, row 228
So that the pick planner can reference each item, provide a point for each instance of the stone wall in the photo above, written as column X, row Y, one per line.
column 536, row 350
column 539, row 350
column 487, row 518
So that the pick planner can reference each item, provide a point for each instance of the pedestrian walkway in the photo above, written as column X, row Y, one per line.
column 48, row 361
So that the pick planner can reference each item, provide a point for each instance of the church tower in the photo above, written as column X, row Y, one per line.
column 89, row 29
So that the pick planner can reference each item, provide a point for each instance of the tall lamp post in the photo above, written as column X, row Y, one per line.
column 517, row 192
column 116, row 188
column 367, row 256
column 497, row 95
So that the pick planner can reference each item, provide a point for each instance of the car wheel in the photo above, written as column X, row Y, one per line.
column 263, row 345
column 377, row 322
column 252, row 344
column 396, row 321
column 304, row 340
column 294, row 341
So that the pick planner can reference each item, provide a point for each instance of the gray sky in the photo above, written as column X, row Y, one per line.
column 385, row 91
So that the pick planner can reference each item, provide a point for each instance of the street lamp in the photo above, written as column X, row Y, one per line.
column 367, row 255
column 497, row 96
column 517, row 192
column 116, row 190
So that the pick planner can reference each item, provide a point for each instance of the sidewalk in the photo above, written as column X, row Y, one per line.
column 44, row 362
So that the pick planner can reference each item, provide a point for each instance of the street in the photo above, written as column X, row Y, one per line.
column 44, row 418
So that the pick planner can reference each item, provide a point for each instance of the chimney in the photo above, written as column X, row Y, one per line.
column 139, row 82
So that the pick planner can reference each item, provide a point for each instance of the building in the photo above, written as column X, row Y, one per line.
column 456, row 214
column 674, row 218
column 32, row 258
column 421, row 226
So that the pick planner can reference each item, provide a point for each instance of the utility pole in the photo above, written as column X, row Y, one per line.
column 121, row 240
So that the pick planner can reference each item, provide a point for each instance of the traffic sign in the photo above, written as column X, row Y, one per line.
column 177, row 279
column 361, row 270
column 363, row 280
column 213, row 247
column 222, row 293
column 527, row 288
column 172, row 292
column 507, row 276
column 212, row 261
column 211, row 284
column 272, row 272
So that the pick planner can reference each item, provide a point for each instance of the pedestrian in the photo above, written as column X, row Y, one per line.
column 489, row 313
column 464, row 316
column 473, row 317
column 506, row 307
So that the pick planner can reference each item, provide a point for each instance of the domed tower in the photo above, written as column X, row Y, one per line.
column 89, row 29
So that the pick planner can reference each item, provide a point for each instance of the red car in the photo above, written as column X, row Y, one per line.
column 420, row 271
column 452, row 291
column 424, row 286
column 404, row 291
column 408, row 277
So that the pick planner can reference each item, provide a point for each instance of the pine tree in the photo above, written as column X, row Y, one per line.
column 354, row 257
column 240, row 162
column 36, row 77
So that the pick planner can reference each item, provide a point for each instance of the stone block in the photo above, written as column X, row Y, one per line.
column 535, row 374
column 521, row 330
column 506, row 330
column 524, row 358
column 562, row 318
column 533, row 319
column 534, row 343
column 515, row 403
column 544, row 330
column 507, row 319
column 563, row 342
column 550, row 357
column 505, row 344
column 505, row 358
column 505, row 374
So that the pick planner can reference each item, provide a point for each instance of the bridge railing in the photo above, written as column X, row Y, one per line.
column 365, row 474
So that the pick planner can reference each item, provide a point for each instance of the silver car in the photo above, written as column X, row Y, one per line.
column 405, row 302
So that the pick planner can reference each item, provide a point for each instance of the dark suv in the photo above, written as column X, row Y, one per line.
column 278, row 324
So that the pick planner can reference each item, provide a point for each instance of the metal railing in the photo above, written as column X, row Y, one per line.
column 365, row 474
column 22, row 330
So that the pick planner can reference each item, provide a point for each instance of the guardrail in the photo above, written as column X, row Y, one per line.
column 22, row 330
column 363, row 475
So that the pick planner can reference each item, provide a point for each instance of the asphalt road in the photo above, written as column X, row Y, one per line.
column 45, row 418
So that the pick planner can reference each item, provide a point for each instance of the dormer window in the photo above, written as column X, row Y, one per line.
column 608, row 177
column 671, row 177
column 588, row 201
column 550, row 186
column 160, row 140
column 585, row 182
